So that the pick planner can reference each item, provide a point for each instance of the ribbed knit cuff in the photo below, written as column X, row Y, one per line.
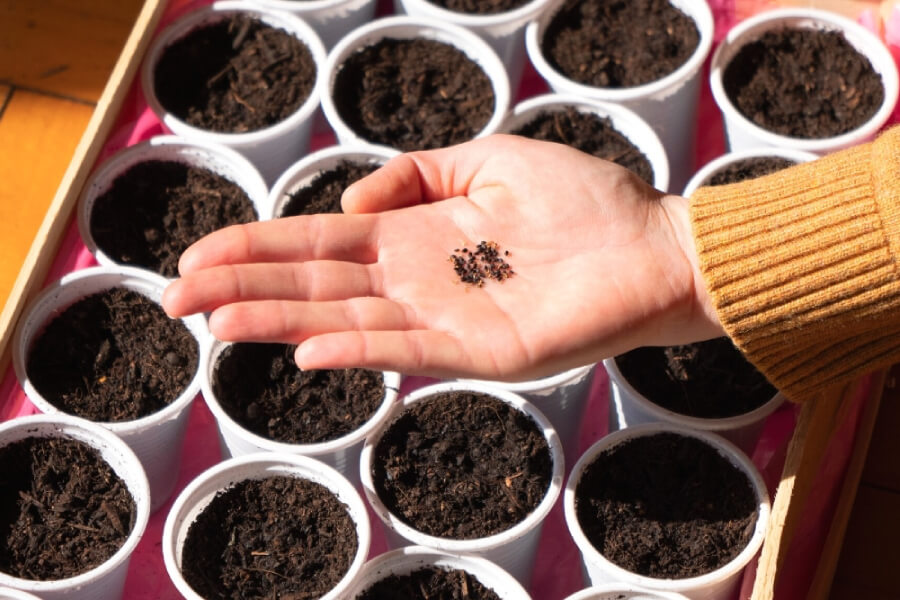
column 802, row 265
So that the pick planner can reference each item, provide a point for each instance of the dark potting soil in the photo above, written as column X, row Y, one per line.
column 113, row 356
column 432, row 583
column 63, row 510
column 260, row 387
column 748, row 168
column 480, row 7
column 278, row 537
column 413, row 94
column 589, row 133
column 710, row 379
column 615, row 44
column 323, row 193
column 462, row 465
column 234, row 76
column 156, row 209
column 666, row 506
column 804, row 83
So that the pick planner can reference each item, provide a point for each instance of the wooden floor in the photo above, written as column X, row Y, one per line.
column 55, row 56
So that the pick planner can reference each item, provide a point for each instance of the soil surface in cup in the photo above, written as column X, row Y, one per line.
column 748, row 168
column 431, row 583
column 710, row 379
column 323, row 193
column 667, row 506
column 261, row 388
column 804, row 83
column 462, row 465
column 113, row 356
column 619, row 44
column 277, row 537
column 589, row 133
column 156, row 209
column 235, row 76
column 63, row 510
column 413, row 94
column 480, row 7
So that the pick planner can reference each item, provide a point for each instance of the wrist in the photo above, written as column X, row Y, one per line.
column 702, row 319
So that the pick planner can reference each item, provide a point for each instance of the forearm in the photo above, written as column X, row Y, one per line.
column 802, row 265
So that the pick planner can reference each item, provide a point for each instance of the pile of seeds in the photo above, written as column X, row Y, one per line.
column 484, row 263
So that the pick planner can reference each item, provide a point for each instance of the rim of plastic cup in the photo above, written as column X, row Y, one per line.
column 623, row 591
column 482, row 544
column 624, row 120
column 209, row 15
column 701, row 423
column 403, row 561
column 217, row 158
column 408, row 28
column 302, row 172
column 522, row 13
column 715, row 165
column 98, row 279
column 211, row 349
column 262, row 465
column 127, row 467
column 865, row 42
column 698, row 10
column 726, row 449
column 536, row 386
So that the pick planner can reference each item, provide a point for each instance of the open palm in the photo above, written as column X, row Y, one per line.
column 603, row 263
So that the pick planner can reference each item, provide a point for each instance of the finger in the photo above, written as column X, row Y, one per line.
column 290, row 321
column 409, row 179
column 310, row 237
column 417, row 352
column 208, row 289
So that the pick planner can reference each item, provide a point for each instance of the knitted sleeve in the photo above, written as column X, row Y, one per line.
column 802, row 265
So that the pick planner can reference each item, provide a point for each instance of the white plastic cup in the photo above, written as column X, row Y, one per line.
column 625, row 121
column 742, row 134
column 504, row 31
column 632, row 408
column 301, row 173
column 156, row 438
column 720, row 584
column 669, row 104
column 410, row 28
column 514, row 549
column 341, row 453
column 409, row 559
column 615, row 591
column 706, row 172
column 561, row 397
column 194, row 153
column 332, row 19
column 11, row 594
column 106, row 580
column 271, row 149
column 194, row 499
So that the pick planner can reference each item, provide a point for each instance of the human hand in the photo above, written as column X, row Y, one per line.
column 603, row 263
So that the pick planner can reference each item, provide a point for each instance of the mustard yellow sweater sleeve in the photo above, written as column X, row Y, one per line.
column 803, row 265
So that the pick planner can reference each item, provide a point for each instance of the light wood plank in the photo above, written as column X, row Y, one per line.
column 38, row 134
column 871, row 554
column 63, row 47
column 49, row 236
